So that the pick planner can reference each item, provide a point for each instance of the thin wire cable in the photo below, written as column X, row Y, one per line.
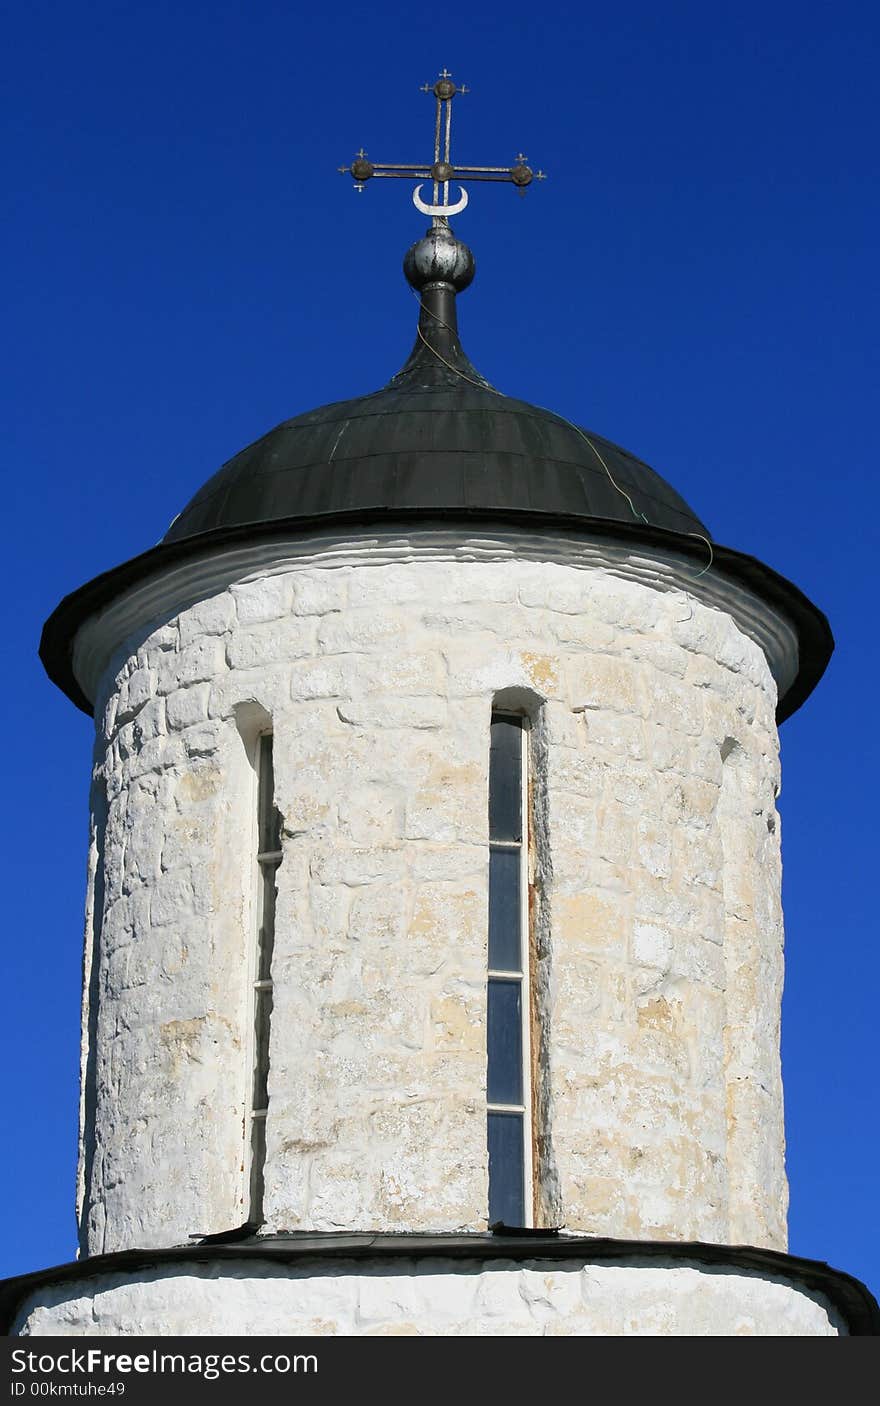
column 481, row 385
column 484, row 385
column 711, row 560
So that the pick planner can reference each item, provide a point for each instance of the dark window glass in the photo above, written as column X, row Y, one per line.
column 269, row 821
column 505, row 910
column 262, row 1020
column 505, row 779
column 267, row 925
column 505, row 1042
column 506, row 1189
column 258, row 1163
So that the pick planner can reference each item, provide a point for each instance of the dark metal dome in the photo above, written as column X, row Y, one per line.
column 437, row 439
column 432, row 448
column 438, row 445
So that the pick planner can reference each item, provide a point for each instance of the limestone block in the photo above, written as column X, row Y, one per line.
column 742, row 656
column 378, row 916
column 426, row 713
column 589, row 992
column 202, row 741
column 357, row 864
column 160, row 753
column 164, row 639
column 106, row 711
column 135, row 692
column 376, row 585
column 654, row 847
column 445, row 937
column 269, row 686
column 462, row 860
column 563, row 727
column 190, row 838
column 611, row 600
column 361, row 630
column 213, row 616
column 675, row 702
column 692, row 802
column 480, row 625
column 320, row 592
column 583, row 631
column 323, row 678
column 633, row 787
column 589, row 922
column 560, row 591
column 403, row 673
column 172, row 898
column 660, row 654
column 575, row 816
column 481, row 583
column 568, row 769
column 611, row 734
column 604, row 682
column 651, row 946
column 575, row 872
column 145, row 839
column 330, row 905
column 446, row 782
column 149, row 723
column 268, row 598
column 701, row 961
column 372, row 814
column 704, row 760
column 263, row 644
column 200, row 662
column 698, row 630
column 188, row 706
column 615, row 833
column 474, row 670
column 455, row 1021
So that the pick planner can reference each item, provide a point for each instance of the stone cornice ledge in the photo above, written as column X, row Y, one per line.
column 849, row 1296
column 92, row 637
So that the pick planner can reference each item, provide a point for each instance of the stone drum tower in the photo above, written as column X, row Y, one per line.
column 434, row 952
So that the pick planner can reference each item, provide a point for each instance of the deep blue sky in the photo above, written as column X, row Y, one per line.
column 697, row 279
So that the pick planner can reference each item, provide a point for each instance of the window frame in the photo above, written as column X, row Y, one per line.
column 268, row 856
column 522, row 976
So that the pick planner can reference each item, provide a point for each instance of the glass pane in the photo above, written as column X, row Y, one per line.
column 269, row 819
column 262, row 1019
column 266, row 941
column 505, row 1042
column 505, row 910
column 258, row 1160
column 506, row 1175
column 505, row 780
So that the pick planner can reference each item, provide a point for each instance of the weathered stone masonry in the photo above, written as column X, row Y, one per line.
column 664, row 932
column 434, row 1298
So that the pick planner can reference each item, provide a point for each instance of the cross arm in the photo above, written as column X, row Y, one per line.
column 362, row 169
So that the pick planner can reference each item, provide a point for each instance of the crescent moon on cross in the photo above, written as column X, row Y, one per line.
column 440, row 209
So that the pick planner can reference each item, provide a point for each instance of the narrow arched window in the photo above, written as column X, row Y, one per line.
column 509, row 1118
column 268, row 859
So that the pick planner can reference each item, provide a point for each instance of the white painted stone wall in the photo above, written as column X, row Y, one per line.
column 661, row 926
column 433, row 1298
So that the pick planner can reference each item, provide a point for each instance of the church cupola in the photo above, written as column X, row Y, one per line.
column 433, row 959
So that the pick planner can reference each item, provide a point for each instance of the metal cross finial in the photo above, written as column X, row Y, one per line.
column 441, row 172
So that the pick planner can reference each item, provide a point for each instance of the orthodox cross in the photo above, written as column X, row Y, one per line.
column 441, row 171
